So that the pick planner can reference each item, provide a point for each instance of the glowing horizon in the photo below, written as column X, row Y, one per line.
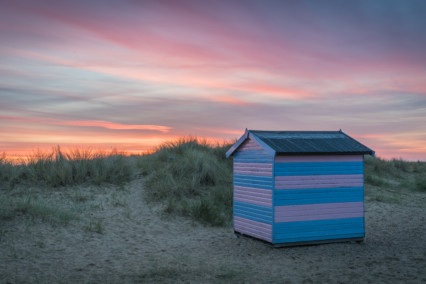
column 131, row 75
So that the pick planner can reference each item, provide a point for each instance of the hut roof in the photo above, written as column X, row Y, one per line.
column 304, row 142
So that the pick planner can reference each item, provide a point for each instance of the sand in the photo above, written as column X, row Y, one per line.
column 139, row 244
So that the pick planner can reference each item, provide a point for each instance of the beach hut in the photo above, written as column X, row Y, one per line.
column 299, row 187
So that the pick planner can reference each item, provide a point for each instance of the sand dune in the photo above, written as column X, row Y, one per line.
column 119, row 238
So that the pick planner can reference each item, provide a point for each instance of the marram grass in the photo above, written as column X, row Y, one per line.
column 193, row 178
column 188, row 176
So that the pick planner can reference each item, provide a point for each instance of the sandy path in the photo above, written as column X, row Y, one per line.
column 140, row 245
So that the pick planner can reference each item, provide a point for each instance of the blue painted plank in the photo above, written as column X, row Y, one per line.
column 253, row 212
column 300, row 196
column 317, row 164
column 326, row 168
column 301, row 201
column 317, row 172
column 253, row 181
column 253, row 185
column 302, row 226
column 321, row 233
column 336, row 194
column 318, row 238
column 284, row 192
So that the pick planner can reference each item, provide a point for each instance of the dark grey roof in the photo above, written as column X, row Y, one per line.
column 311, row 142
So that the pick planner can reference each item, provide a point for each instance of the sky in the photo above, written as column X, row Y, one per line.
column 133, row 74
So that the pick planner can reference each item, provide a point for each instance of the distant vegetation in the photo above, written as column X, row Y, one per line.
column 71, row 168
column 188, row 176
column 388, row 181
column 193, row 178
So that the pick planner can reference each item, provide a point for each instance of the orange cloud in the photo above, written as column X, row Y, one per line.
column 112, row 125
column 228, row 99
column 88, row 123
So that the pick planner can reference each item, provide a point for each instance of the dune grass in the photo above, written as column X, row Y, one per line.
column 188, row 176
column 71, row 168
column 193, row 178
column 388, row 180
column 35, row 207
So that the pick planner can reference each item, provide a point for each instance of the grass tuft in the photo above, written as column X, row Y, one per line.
column 385, row 181
column 72, row 168
column 193, row 178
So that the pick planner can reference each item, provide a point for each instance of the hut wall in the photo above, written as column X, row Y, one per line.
column 318, row 198
column 253, row 184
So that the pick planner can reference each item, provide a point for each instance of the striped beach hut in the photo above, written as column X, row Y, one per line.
column 299, row 187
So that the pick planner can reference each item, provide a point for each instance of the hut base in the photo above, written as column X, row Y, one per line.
column 358, row 240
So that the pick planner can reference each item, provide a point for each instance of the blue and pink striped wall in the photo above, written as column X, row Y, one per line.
column 294, row 199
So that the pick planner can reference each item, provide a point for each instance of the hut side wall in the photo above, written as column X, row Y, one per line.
column 318, row 198
column 253, row 183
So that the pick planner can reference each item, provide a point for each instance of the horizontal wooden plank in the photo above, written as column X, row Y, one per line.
column 253, row 181
column 249, row 145
column 253, row 233
column 253, row 185
column 253, row 212
column 259, row 225
column 254, row 160
column 318, row 181
column 292, row 210
column 316, row 177
column 323, row 211
column 317, row 185
column 308, row 200
column 251, row 177
column 319, row 239
column 318, row 172
column 251, row 200
column 329, row 168
column 316, row 225
column 319, row 216
column 241, row 154
column 317, row 192
column 254, row 194
column 323, row 158
column 252, row 189
column 253, row 228
column 255, row 173
column 318, row 164
column 320, row 234
column 256, row 165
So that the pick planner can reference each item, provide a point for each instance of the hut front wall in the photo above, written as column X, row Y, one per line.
column 253, row 184
column 318, row 198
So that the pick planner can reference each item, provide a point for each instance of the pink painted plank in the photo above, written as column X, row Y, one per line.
column 324, row 211
column 250, row 145
column 264, row 166
column 319, row 217
column 253, row 228
column 330, row 158
column 253, row 173
column 357, row 204
column 318, row 181
column 267, row 192
column 257, row 201
column 261, row 225
column 253, row 195
column 255, row 169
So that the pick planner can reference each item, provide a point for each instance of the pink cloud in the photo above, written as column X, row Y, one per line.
column 88, row 123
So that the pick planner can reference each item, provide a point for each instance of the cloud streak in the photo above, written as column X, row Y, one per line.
column 85, row 123
column 162, row 69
